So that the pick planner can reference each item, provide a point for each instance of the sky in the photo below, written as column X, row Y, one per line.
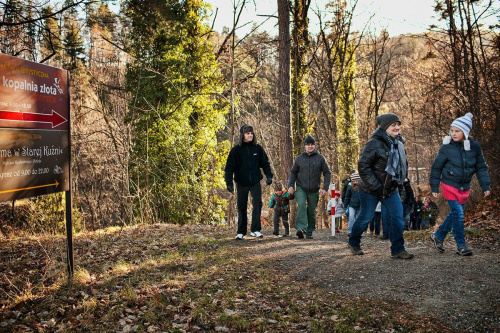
column 397, row 16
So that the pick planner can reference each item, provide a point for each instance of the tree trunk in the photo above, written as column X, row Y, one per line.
column 286, row 155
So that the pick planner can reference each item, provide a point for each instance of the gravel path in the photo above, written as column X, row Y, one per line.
column 463, row 291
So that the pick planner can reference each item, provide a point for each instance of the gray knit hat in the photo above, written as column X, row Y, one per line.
column 385, row 120
column 355, row 176
column 465, row 125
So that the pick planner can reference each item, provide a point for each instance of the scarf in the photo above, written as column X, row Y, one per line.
column 396, row 162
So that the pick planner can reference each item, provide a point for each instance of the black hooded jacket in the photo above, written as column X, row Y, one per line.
column 372, row 163
column 245, row 161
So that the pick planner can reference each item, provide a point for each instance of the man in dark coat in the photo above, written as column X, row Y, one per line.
column 244, row 163
column 306, row 172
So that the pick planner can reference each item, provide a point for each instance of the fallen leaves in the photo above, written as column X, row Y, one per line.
column 143, row 279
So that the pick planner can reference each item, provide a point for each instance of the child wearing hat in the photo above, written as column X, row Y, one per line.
column 352, row 201
column 280, row 202
column 458, row 159
column 336, row 204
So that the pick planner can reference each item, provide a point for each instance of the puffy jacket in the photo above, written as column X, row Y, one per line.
column 280, row 203
column 245, row 161
column 455, row 166
column 372, row 163
column 307, row 170
column 352, row 198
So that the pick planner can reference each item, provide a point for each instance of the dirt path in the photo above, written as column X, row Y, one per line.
column 463, row 291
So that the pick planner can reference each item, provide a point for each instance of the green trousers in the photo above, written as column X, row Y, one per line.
column 306, row 210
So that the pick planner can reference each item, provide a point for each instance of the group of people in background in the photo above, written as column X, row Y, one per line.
column 378, row 193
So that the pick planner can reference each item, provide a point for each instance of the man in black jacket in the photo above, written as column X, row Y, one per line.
column 244, row 163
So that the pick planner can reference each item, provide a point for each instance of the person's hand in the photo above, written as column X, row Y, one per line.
column 230, row 188
column 269, row 181
column 435, row 195
column 290, row 190
column 322, row 192
column 486, row 193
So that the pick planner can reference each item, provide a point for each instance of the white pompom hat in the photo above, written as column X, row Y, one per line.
column 465, row 125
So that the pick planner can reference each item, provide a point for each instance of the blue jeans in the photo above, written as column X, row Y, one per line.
column 406, row 218
column 375, row 223
column 386, row 223
column 394, row 209
column 453, row 222
column 353, row 214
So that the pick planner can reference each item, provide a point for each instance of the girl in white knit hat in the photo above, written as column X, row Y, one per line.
column 459, row 158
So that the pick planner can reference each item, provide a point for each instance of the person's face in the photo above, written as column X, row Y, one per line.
column 248, row 137
column 310, row 147
column 278, row 192
column 355, row 182
column 457, row 134
column 393, row 129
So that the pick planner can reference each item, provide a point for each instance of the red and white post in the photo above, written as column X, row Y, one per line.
column 332, row 209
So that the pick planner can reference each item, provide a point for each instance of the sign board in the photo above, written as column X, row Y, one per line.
column 34, row 129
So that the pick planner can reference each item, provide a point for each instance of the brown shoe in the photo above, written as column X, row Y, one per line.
column 355, row 250
column 403, row 255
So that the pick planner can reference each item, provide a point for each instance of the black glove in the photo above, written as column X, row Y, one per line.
column 269, row 181
column 230, row 188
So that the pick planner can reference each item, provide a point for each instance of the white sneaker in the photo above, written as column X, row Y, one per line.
column 256, row 234
column 239, row 237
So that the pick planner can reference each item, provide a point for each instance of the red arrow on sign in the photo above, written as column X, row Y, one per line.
column 55, row 118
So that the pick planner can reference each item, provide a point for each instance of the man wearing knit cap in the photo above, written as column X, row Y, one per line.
column 244, row 163
column 306, row 174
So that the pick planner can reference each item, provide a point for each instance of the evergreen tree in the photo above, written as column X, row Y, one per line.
column 52, row 45
column 176, row 161
column 11, row 35
column 74, row 48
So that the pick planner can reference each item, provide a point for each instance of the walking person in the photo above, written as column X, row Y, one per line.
column 352, row 201
column 458, row 159
column 244, row 163
column 425, row 213
column 346, row 183
column 280, row 201
column 375, row 222
column 407, row 198
column 335, row 204
column 382, row 167
column 306, row 174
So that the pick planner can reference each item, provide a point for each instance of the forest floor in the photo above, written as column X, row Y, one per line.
column 170, row 278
